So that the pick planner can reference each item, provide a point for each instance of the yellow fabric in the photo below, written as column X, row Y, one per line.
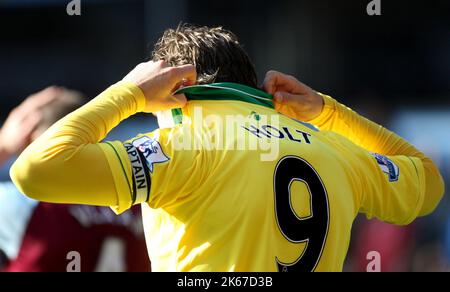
column 372, row 137
column 66, row 165
column 214, row 209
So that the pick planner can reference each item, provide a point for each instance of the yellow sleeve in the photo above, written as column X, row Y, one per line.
column 68, row 164
column 338, row 118
column 390, row 188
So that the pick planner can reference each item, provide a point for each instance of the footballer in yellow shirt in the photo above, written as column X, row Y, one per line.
column 227, row 183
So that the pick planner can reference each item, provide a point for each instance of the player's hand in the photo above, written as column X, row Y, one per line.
column 158, row 81
column 293, row 98
column 18, row 130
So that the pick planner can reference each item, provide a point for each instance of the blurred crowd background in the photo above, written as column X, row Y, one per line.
column 393, row 68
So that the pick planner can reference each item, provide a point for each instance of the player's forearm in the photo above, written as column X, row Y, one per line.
column 338, row 118
column 66, row 165
column 375, row 138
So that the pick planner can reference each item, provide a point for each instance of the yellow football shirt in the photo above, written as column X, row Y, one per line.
column 234, row 186
column 211, row 205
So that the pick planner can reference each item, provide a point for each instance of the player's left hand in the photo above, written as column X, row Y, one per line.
column 158, row 81
column 293, row 98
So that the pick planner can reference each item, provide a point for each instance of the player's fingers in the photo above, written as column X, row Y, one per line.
column 30, row 123
column 183, row 74
column 43, row 97
column 177, row 101
column 270, row 81
column 286, row 98
column 183, row 83
column 278, row 106
column 277, row 81
column 160, row 63
column 278, row 97
column 293, row 101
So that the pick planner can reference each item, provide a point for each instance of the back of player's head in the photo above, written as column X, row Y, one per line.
column 65, row 102
column 215, row 52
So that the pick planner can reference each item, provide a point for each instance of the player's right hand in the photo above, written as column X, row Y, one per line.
column 293, row 98
column 158, row 81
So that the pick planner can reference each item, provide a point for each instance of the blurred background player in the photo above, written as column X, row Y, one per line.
column 36, row 237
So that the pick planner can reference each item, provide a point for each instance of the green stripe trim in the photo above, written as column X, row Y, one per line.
column 223, row 91
column 133, row 195
column 177, row 115
column 227, row 91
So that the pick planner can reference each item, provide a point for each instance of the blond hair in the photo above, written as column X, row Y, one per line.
column 216, row 53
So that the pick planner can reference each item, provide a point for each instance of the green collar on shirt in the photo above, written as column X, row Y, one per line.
column 223, row 91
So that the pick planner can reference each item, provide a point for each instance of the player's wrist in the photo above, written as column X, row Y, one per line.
column 134, row 93
column 316, row 105
column 327, row 110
